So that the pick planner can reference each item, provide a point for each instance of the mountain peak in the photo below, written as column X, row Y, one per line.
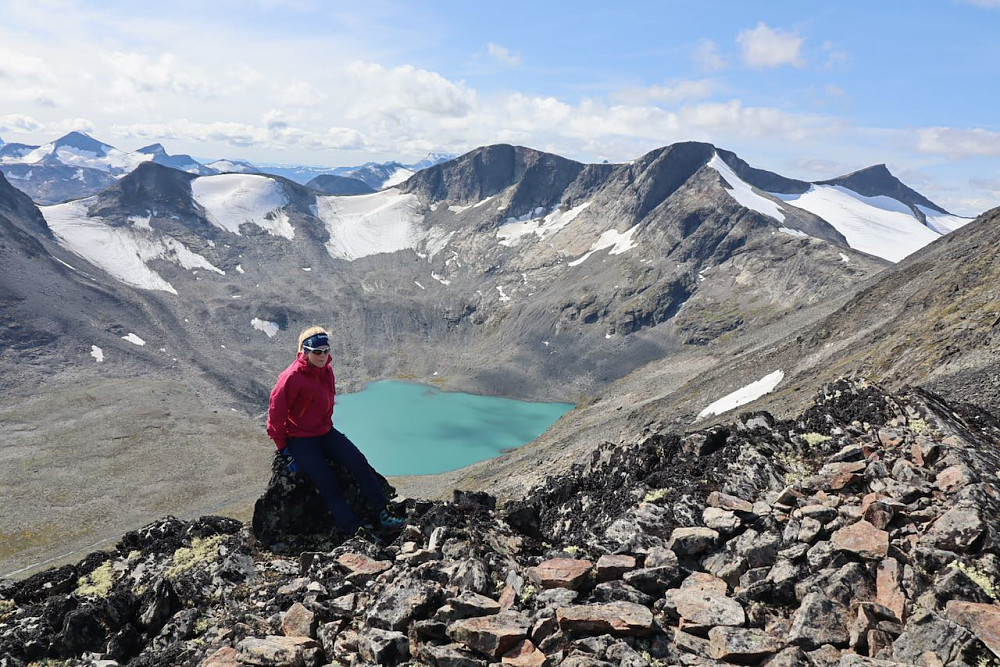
column 153, row 149
column 877, row 180
column 82, row 141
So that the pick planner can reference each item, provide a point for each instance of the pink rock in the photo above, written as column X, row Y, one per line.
column 561, row 573
column 863, row 539
column 982, row 620
column 889, row 589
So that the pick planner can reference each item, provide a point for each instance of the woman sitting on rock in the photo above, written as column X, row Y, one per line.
column 300, row 422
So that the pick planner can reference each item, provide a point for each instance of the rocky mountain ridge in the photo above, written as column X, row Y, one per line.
column 857, row 533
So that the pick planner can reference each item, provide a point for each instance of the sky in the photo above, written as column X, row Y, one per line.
column 809, row 90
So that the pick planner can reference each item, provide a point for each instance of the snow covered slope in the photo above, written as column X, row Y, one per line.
column 880, row 225
column 122, row 251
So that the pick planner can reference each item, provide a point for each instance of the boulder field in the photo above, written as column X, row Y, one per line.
column 863, row 532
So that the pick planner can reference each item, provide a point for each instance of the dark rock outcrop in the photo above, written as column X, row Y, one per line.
column 291, row 517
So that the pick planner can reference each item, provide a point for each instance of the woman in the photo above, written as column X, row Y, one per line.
column 300, row 422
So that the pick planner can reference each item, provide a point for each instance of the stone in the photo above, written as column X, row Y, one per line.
column 276, row 651
column 741, row 644
column 448, row 655
column 227, row 656
column 490, row 635
column 820, row 513
column 722, row 520
column 569, row 573
column 956, row 530
column 757, row 549
column 524, row 654
column 399, row 607
column 613, row 566
column 653, row 580
column 728, row 502
column 862, row 539
column 468, row 604
column 982, row 620
column 298, row 621
column 793, row 656
column 291, row 513
column 927, row 632
column 383, row 647
column 818, row 621
column 360, row 568
column 704, row 608
column 705, row 582
column 953, row 478
column 692, row 541
column 809, row 530
column 621, row 619
column 619, row 591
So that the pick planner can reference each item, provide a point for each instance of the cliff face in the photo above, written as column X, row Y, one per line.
column 862, row 532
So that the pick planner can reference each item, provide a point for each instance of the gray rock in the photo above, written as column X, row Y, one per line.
column 819, row 620
column 399, row 607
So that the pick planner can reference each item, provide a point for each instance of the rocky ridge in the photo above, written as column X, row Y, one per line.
column 861, row 532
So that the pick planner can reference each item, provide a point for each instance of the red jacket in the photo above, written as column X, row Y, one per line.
column 301, row 403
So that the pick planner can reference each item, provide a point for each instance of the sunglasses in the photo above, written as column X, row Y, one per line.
column 319, row 350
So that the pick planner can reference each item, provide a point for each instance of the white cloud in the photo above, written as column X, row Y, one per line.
column 380, row 90
column 16, row 122
column 673, row 93
column 764, row 46
column 707, row 56
column 958, row 143
column 503, row 54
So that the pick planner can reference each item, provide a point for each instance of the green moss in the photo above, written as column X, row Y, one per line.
column 185, row 558
column 980, row 578
column 918, row 426
column 98, row 583
column 572, row 550
column 813, row 439
column 655, row 494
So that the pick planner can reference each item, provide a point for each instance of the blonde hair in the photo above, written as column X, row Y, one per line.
column 310, row 331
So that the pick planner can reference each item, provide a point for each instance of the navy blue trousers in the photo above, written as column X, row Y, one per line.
column 311, row 455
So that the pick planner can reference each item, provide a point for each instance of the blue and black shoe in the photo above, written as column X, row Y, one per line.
column 389, row 522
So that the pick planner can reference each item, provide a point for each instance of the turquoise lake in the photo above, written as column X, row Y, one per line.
column 411, row 429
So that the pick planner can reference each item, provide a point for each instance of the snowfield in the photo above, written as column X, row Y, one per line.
column 121, row 251
column 363, row 225
column 880, row 226
column 744, row 193
column 231, row 200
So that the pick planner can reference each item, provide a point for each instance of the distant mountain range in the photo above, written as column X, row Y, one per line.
column 77, row 165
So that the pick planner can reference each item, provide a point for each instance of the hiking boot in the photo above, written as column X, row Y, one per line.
column 389, row 522
column 368, row 534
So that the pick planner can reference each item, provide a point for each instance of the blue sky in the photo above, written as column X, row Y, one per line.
column 810, row 90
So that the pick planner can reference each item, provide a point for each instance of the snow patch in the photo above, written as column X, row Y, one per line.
column 619, row 242
column 744, row 395
column 880, row 226
column 97, row 353
column 440, row 279
column 503, row 296
column 845, row 259
column 943, row 223
column 743, row 193
column 121, row 251
column 513, row 230
column 398, row 177
column 363, row 225
column 134, row 339
column 269, row 328
column 231, row 200
column 793, row 232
